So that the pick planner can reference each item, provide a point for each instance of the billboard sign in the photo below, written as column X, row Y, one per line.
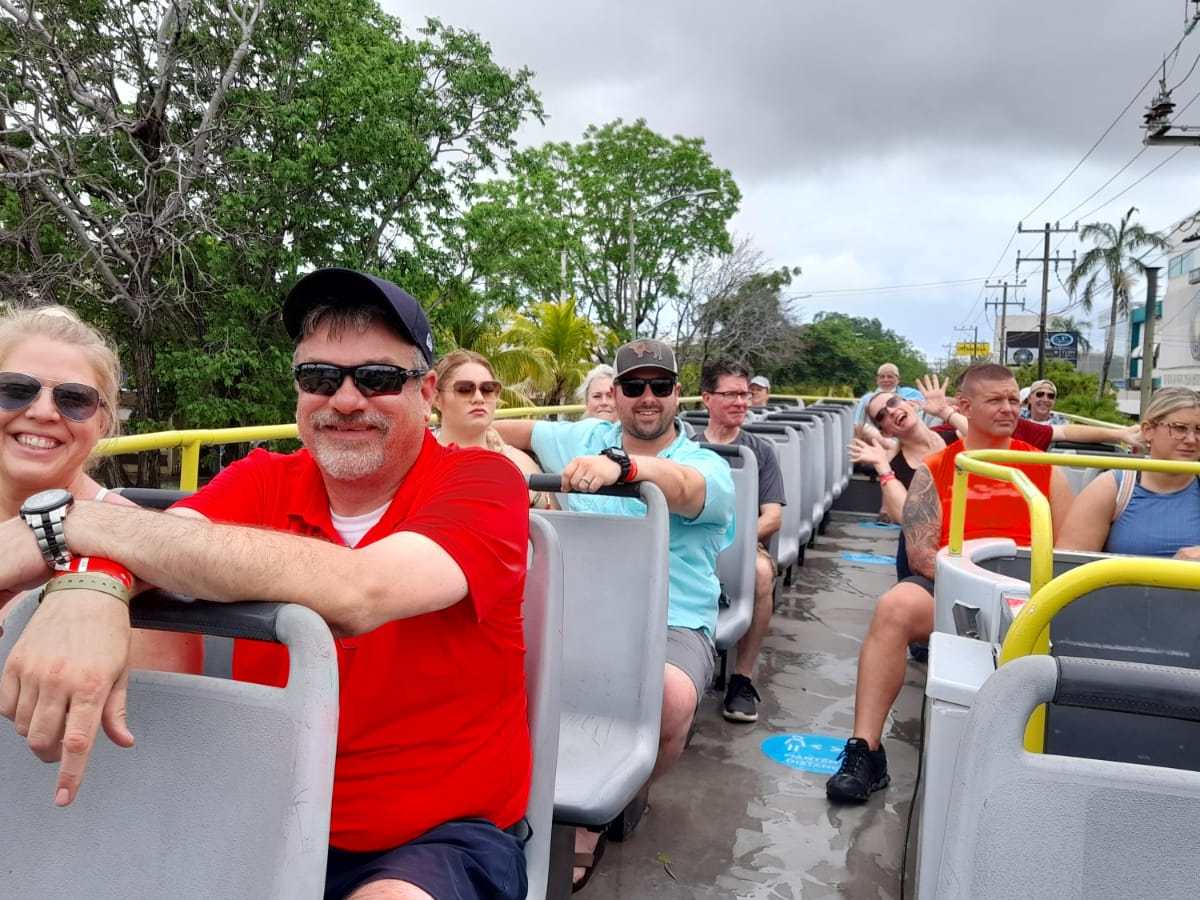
column 1021, row 347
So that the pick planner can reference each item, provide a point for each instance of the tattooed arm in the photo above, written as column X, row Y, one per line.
column 922, row 522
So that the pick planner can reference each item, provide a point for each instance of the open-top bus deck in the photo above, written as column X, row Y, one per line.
column 730, row 821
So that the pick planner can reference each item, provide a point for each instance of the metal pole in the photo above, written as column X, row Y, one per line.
column 1003, row 325
column 631, row 285
column 1045, row 298
column 1148, row 339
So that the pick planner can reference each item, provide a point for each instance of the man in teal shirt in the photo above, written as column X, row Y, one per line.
column 648, row 443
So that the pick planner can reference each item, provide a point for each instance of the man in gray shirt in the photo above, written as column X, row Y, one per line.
column 725, row 391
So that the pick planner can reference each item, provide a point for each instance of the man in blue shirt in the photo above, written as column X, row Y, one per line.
column 648, row 443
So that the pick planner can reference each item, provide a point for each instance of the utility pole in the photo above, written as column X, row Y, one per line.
column 949, row 354
column 1003, row 306
column 974, row 329
column 1045, row 260
column 1148, row 339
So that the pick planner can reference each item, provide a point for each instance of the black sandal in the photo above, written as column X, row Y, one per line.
column 588, row 862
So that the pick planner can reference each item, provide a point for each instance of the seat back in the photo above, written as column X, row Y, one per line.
column 785, row 543
column 614, row 651
column 1026, row 825
column 226, row 794
column 736, row 564
column 824, row 450
column 543, row 614
column 845, row 418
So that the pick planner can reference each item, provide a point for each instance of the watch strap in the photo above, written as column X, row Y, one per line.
column 89, row 581
column 51, row 536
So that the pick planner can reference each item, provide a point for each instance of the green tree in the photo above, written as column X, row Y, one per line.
column 837, row 349
column 170, row 168
column 1076, row 390
column 577, row 199
column 1112, row 256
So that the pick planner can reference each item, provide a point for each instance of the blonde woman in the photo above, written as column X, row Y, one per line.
column 597, row 393
column 1146, row 513
column 467, row 394
column 59, row 384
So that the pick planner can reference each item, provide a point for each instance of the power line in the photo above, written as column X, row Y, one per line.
column 1126, row 190
column 896, row 287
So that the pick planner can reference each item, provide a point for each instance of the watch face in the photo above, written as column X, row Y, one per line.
column 45, row 501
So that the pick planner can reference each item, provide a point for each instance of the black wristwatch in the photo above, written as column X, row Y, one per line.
column 44, row 513
column 621, row 458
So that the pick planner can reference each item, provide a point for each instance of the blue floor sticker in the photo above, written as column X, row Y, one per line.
column 880, row 526
column 808, row 752
column 873, row 559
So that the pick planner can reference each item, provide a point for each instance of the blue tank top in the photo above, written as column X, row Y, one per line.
column 1157, row 524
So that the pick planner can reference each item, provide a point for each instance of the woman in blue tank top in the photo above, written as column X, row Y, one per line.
column 1146, row 513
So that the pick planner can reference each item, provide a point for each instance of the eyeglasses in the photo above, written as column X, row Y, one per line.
column 732, row 396
column 489, row 389
column 635, row 387
column 1180, row 430
column 1044, row 394
column 371, row 379
column 892, row 402
column 77, row 402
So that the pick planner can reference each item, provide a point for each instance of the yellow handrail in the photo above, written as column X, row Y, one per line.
column 1085, row 420
column 1048, row 602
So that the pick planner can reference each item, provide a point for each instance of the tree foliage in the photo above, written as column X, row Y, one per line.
column 576, row 200
column 171, row 167
column 838, row 349
column 1076, row 390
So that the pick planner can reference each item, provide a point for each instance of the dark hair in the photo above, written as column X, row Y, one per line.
column 356, row 319
column 984, row 372
column 712, row 372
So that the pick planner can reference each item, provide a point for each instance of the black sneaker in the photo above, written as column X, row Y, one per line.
column 863, row 771
column 741, row 700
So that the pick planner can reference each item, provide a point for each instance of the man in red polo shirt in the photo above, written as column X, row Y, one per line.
column 414, row 554
column 989, row 400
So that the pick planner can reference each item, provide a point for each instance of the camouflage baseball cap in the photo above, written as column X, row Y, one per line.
column 645, row 354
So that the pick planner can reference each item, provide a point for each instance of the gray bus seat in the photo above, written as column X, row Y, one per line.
column 824, row 465
column 226, row 794
column 736, row 564
column 543, row 613
column 785, row 544
column 615, row 592
column 836, row 447
column 845, row 416
column 1038, row 825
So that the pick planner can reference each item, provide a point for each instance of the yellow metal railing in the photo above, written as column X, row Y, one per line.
column 1085, row 420
column 190, row 441
column 1032, row 634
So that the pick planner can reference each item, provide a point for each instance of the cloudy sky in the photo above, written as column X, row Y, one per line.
column 876, row 144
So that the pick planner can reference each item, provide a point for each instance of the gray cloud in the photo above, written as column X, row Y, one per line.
column 875, row 143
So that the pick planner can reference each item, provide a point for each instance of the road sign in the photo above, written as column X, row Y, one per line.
column 1022, row 347
column 966, row 348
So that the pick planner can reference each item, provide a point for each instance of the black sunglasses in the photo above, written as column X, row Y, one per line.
column 77, row 402
column 370, row 379
column 1044, row 394
column 892, row 402
column 635, row 387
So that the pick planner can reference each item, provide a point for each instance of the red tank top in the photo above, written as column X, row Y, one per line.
column 994, row 508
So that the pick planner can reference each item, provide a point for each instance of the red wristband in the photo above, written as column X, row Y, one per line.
column 886, row 477
column 101, row 565
column 632, row 476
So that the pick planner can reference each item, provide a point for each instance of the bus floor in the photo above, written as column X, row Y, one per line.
column 727, row 820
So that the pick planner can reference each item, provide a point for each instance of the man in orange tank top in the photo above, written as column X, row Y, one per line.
column 990, row 401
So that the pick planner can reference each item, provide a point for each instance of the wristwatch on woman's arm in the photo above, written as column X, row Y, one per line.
column 45, row 513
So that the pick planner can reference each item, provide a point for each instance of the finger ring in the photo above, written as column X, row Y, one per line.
column 586, row 481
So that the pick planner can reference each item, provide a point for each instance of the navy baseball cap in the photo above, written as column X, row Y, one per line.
column 346, row 287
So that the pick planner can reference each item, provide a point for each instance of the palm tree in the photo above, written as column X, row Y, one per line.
column 1112, row 255
column 568, row 341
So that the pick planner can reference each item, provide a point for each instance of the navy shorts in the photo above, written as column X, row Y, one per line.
column 460, row 860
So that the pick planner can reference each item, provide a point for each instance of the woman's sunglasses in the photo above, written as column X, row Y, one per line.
column 77, row 402
column 892, row 402
column 374, row 378
column 1044, row 394
column 635, row 387
column 489, row 389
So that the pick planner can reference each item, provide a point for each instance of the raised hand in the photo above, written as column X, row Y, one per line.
column 934, row 389
column 869, row 453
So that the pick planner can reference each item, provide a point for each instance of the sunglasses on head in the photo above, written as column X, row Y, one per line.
column 892, row 402
column 77, row 402
column 489, row 389
column 371, row 379
column 635, row 387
